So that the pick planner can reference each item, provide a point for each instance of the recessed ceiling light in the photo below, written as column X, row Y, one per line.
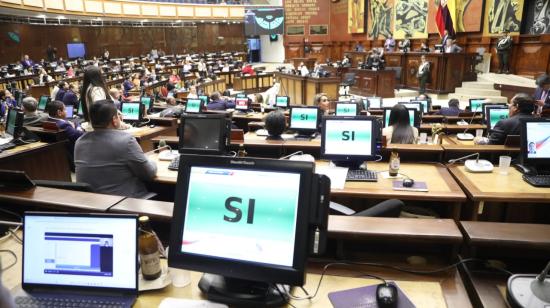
column 61, row 17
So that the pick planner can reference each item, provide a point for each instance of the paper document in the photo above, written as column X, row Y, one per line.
column 337, row 175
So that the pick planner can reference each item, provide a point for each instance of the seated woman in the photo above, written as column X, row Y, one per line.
column 275, row 124
column 399, row 129
column 322, row 101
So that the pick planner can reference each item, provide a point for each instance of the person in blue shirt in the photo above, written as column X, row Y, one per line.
column 6, row 101
column 127, row 85
column 452, row 110
column 57, row 113
column 26, row 62
column 62, row 91
column 217, row 102
column 70, row 98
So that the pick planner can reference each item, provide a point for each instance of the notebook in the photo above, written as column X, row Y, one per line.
column 79, row 258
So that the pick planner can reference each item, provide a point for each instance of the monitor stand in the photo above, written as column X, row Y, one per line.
column 240, row 292
column 301, row 136
column 350, row 164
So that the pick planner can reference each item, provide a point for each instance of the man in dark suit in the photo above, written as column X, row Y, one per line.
column 504, row 46
column 521, row 107
column 70, row 98
column 452, row 110
column 445, row 38
column 26, row 62
column 62, row 90
column 56, row 110
column 542, row 93
column 424, row 74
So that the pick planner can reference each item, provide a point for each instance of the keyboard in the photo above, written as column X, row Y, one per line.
column 7, row 146
column 46, row 302
column 362, row 176
column 537, row 180
column 174, row 164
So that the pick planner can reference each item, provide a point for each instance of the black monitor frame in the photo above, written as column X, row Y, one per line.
column 17, row 125
column 486, row 105
column 421, row 102
column 416, row 120
column 380, row 99
column 45, row 107
column 287, row 102
column 204, row 98
column 476, row 99
column 351, row 158
column 239, row 108
column 487, row 116
column 357, row 109
column 201, row 105
column 224, row 135
column 231, row 268
column 524, row 146
column 151, row 104
column 140, row 118
column 70, row 114
column 304, row 131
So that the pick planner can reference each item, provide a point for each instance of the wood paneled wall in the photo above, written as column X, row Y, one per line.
column 120, row 41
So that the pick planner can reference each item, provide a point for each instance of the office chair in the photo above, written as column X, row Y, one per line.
column 388, row 208
column 347, row 81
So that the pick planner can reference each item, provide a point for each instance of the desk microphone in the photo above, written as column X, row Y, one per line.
column 524, row 290
column 474, row 165
column 464, row 135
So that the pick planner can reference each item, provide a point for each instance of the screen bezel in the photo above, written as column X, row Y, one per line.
column 346, row 103
column 238, row 107
column 421, row 101
column 18, row 125
column 287, row 101
column 30, row 286
column 487, row 105
column 48, row 99
column 487, row 117
column 151, row 100
column 201, row 105
column 294, row 275
column 380, row 106
column 140, row 118
column 476, row 99
column 419, row 104
column 524, row 145
column 416, row 120
column 69, row 107
column 223, row 136
column 305, row 130
column 205, row 101
column 340, row 157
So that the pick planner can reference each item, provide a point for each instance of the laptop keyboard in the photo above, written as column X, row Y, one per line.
column 362, row 175
column 537, row 180
column 7, row 146
column 174, row 164
column 46, row 302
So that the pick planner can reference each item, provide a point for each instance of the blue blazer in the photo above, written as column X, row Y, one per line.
column 538, row 96
column 70, row 99
column 72, row 133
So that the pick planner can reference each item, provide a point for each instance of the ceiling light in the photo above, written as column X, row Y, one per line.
column 41, row 16
column 178, row 21
column 61, row 17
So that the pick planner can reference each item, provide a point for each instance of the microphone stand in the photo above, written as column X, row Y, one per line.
column 464, row 135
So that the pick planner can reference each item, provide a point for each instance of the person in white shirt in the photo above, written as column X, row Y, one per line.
column 192, row 92
column 303, row 69
column 225, row 68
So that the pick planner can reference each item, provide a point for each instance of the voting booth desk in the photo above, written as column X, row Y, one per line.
column 448, row 70
column 379, row 83
column 302, row 90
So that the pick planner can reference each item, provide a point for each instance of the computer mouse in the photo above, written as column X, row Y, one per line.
column 152, row 125
column 408, row 183
column 386, row 295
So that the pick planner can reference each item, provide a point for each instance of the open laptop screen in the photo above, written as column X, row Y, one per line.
column 86, row 250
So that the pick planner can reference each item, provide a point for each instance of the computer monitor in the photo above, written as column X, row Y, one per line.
column 241, row 95
column 346, row 109
column 487, row 105
column 259, row 235
column 132, row 111
column 69, row 111
column 282, row 101
column 414, row 117
column 147, row 102
column 415, row 105
column 495, row 114
column 205, row 99
column 204, row 134
column 535, row 142
column 426, row 104
column 374, row 102
column 304, row 119
column 242, row 104
column 194, row 105
column 476, row 104
column 14, row 123
column 349, row 140
column 79, row 109
column 43, row 102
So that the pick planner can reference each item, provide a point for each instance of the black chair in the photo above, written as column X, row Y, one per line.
column 388, row 208
column 347, row 81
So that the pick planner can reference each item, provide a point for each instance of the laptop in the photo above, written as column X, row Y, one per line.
column 80, row 258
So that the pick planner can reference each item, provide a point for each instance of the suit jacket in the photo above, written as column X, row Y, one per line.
column 444, row 39
column 538, row 96
column 70, row 99
column 450, row 111
column 72, row 134
column 503, row 128
column 453, row 49
column 60, row 94
column 112, row 162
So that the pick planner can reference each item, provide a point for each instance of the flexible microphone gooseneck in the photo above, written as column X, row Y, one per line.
column 464, row 135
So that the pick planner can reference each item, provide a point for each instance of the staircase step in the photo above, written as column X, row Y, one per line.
column 466, row 97
column 477, row 91
column 478, row 85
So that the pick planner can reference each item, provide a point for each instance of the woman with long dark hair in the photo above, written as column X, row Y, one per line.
column 399, row 129
column 93, row 89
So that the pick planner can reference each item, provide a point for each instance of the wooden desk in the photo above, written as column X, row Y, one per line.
column 373, row 83
column 60, row 199
column 302, row 90
column 48, row 135
column 441, row 185
column 495, row 187
column 455, row 148
column 41, row 161
column 161, row 121
column 254, row 83
column 145, row 134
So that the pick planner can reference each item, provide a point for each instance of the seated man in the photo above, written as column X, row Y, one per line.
column 521, row 107
column 275, row 124
column 111, row 160
column 31, row 116
column 56, row 110
column 174, row 111
column 70, row 98
column 217, row 102
column 452, row 110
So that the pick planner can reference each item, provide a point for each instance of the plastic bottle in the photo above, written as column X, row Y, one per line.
column 148, row 250
column 394, row 163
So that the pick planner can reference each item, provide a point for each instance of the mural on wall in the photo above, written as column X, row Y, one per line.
column 503, row 15
column 356, row 16
column 380, row 19
column 539, row 21
column 411, row 18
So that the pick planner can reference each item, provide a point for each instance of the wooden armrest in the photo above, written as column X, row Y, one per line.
column 512, row 235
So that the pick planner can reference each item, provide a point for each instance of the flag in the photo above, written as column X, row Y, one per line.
column 444, row 17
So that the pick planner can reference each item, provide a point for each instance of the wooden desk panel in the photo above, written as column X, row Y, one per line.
column 373, row 83
column 156, row 210
column 511, row 235
column 41, row 161
column 145, row 134
column 60, row 199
